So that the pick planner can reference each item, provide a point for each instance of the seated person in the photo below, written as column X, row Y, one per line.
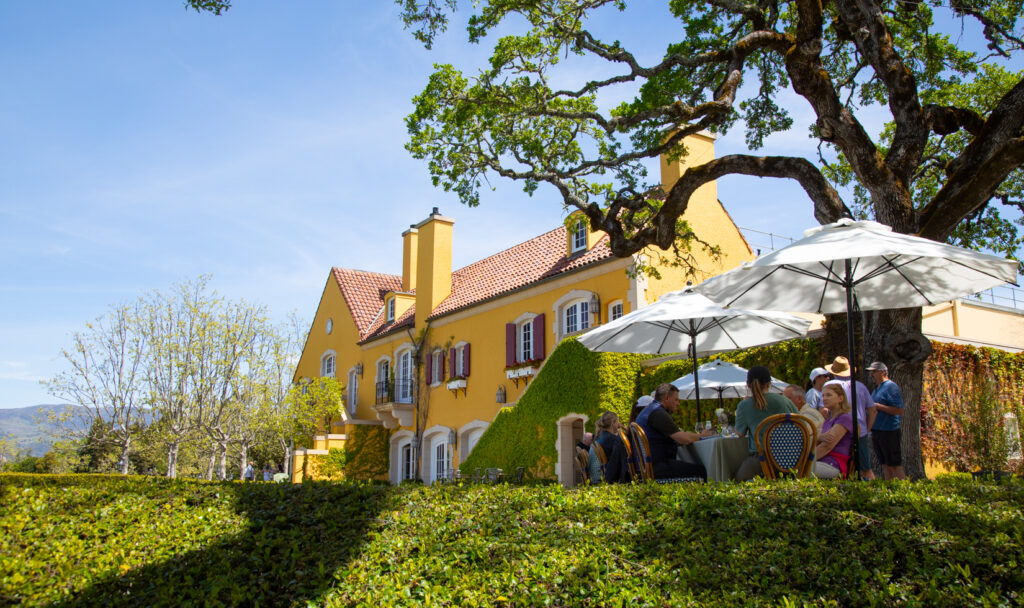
column 606, row 434
column 752, row 411
column 796, row 395
column 832, row 453
column 639, row 406
column 664, row 436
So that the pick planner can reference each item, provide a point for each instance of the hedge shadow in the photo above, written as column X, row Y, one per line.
column 278, row 545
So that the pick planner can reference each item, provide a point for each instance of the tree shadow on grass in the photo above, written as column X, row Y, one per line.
column 295, row 539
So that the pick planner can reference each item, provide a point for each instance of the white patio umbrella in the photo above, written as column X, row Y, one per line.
column 685, row 321
column 727, row 380
column 851, row 265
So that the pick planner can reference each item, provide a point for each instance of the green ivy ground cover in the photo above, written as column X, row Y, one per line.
column 110, row 541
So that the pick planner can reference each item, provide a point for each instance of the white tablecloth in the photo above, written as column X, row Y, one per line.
column 721, row 456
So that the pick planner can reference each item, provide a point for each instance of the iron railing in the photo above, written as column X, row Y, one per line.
column 398, row 392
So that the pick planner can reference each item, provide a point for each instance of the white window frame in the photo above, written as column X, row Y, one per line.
column 437, row 367
column 390, row 305
column 524, row 342
column 442, row 459
column 406, row 462
column 578, row 236
column 578, row 312
column 332, row 357
column 352, row 390
column 561, row 306
column 617, row 304
column 404, row 370
column 459, row 352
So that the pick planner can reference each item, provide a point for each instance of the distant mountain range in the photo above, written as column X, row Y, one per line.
column 28, row 427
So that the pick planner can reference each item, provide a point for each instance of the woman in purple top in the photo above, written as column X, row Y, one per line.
column 832, row 453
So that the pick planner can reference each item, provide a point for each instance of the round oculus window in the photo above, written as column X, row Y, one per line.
column 330, row 325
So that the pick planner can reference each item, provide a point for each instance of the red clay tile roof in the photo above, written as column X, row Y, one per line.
column 380, row 327
column 538, row 258
column 364, row 294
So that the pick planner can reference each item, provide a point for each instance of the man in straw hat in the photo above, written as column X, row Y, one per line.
column 840, row 370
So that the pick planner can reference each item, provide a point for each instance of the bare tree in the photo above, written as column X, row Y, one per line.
column 106, row 380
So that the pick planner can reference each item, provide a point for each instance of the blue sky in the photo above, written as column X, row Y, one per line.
column 142, row 145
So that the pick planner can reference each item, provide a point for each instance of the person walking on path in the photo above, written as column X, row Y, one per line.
column 885, row 433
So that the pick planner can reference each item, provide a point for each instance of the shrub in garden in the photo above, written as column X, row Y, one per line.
column 112, row 541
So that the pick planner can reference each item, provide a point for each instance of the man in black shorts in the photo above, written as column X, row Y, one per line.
column 885, row 433
column 664, row 436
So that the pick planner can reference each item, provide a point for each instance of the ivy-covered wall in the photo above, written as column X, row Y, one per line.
column 960, row 424
column 967, row 393
column 573, row 380
column 790, row 361
column 364, row 457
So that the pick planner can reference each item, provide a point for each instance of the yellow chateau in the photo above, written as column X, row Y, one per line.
column 482, row 331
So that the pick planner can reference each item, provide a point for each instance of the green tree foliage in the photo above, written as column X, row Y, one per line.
column 946, row 165
column 188, row 374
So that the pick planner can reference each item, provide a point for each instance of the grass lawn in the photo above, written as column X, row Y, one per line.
column 138, row 541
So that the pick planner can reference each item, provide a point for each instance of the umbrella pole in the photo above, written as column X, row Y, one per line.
column 852, row 344
column 696, row 385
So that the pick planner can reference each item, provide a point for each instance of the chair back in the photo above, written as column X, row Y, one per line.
column 582, row 466
column 787, row 445
column 630, row 456
column 643, row 452
column 602, row 458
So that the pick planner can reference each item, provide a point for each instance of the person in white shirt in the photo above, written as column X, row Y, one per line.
column 819, row 376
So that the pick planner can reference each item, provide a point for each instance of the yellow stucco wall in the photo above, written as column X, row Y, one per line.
column 975, row 322
column 707, row 218
column 466, row 412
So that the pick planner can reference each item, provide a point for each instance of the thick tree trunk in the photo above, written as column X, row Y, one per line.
column 287, row 464
column 894, row 337
column 125, row 446
column 222, row 459
column 172, row 460
column 211, row 465
column 244, row 461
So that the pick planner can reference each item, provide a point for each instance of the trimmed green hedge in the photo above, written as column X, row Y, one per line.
column 136, row 541
column 573, row 380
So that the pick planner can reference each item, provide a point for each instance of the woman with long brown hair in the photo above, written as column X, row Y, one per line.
column 832, row 452
column 752, row 411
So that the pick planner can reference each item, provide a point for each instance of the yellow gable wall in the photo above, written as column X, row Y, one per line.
column 707, row 218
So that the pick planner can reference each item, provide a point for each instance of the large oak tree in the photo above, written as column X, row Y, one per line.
column 947, row 165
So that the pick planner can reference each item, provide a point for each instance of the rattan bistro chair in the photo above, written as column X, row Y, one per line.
column 787, row 446
column 630, row 456
column 642, row 452
column 582, row 466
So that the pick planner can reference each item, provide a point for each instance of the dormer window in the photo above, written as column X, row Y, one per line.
column 391, row 309
column 579, row 236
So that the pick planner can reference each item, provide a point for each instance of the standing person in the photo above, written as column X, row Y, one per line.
column 819, row 376
column 885, row 432
column 664, row 436
column 796, row 394
column 248, row 474
column 840, row 370
column 752, row 411
column 266, row 473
